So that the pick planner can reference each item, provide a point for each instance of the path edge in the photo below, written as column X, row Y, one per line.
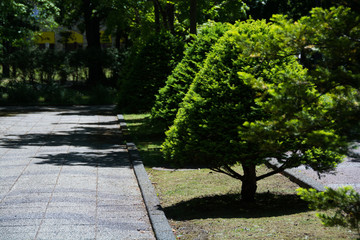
column 158, row 220
column 296, row 176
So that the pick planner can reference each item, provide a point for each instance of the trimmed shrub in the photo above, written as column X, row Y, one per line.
column 177, row 84
column 252, row 101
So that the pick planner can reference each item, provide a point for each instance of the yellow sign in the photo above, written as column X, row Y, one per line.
column 72, row 37
column 45, row 37
column 104, row 38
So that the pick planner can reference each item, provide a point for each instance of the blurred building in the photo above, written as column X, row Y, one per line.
column 64, row 39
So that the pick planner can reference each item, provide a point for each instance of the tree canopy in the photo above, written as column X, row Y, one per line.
column 253, row 100
column 19, row 20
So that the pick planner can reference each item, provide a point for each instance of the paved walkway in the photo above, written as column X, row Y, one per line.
column 65, row 174
column 347, row 173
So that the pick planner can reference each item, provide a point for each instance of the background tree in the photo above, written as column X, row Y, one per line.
column 252, row 101
column 19, row 20
column 331, row 53
column 191, row 13
column 88, row 16
column 293, row 9
column 145, row 71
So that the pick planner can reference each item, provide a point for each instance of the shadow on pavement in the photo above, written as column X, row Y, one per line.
column 91, row 144
column 91, row 137
column 93, row 159
column 106, row 110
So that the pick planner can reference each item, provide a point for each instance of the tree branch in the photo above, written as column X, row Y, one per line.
column 278, row 170
column 228, row 171
column 235, row 174
column 219, row 170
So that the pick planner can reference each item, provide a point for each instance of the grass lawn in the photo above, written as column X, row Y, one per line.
column 201, row 204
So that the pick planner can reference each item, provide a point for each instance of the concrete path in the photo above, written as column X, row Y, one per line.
column 347, row 173
column 65, row 174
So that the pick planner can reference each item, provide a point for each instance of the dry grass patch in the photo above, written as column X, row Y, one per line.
column 201, row 204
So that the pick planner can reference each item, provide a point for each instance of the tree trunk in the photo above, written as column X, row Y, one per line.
column 5, row 70
column 193, row 16
column 157, row 15
column 249, row 186
column 92, row 27
column 5, row 65
column 170, row 12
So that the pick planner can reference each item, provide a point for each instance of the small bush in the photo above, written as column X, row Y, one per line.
column 345, row 201
column 55, row 94
column 20, row 93
column 102, row 95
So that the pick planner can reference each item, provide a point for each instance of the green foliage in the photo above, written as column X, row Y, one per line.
column 217, row 10
column 48, row 65
column 112, row 61
column 345, row 201
column 333, row 36
column 146, row 70
column 177, row 84
column 23, row 93
column 26, row 62
column 76, row 61
column 260, row 9
column 251, row 101
column 101, row 94
column 20, row 18
column 256, row 98
column 332, row 56
column 18, row 93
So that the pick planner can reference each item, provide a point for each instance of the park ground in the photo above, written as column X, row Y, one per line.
column 201, row 204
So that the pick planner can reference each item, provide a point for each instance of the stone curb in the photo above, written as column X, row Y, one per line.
column 297, row 177
column 159, row 222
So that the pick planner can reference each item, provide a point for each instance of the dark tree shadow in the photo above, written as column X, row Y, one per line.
column 101, row 123
column 93, row 159
column 105, row 110
column 91, row 137
column 98, row 144
column 231, row 206
column 354, row 153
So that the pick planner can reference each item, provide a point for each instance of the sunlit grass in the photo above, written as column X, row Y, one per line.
column 202, row 204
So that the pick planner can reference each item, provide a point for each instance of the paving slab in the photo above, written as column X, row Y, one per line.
column 347, row 173
column 65, row 173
